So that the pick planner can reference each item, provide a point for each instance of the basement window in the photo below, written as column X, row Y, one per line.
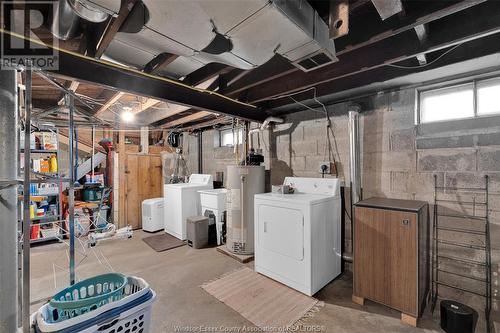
column 468, row 100
column 228, row 137
column 447, row 103
column 488, row 97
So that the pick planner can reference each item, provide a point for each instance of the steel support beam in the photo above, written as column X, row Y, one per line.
column 8, row 202
column 115, row 77
column 138, row 83
column 452, row 30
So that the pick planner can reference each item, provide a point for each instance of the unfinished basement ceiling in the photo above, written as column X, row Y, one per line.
column 241, row 34
column 228, row 47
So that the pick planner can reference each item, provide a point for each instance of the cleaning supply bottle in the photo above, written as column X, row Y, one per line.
column 53, row 164
column 32, row 210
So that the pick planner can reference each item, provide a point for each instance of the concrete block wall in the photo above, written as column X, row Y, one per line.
column 215, row 159
column 399, row 160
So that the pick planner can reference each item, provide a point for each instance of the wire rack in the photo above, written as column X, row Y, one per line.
column 477, row 214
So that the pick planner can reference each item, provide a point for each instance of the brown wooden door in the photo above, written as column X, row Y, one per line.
column 401, row 261
column 132, row 196
column 369, row 253
column 142, row 181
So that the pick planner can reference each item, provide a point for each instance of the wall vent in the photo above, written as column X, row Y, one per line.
column 312, row 62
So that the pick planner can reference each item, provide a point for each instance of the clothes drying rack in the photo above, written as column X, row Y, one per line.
column 477, row 212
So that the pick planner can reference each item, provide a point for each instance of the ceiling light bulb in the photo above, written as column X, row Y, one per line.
column 127, row 116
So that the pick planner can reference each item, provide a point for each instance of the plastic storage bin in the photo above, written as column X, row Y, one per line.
column 132, row 313
column 197, row 231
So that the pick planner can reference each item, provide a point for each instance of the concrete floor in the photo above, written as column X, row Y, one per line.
column 176, row 276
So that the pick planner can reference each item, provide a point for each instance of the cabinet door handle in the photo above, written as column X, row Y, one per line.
column 405, row 222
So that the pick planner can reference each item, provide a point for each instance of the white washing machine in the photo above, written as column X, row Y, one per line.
column 298, row 236
column 182, row 200
column 152, row 215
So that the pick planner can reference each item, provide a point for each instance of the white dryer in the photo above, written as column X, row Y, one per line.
column 298, row 236
column 182, row 200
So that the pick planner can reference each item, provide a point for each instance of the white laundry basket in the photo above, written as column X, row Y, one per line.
column 131, row 314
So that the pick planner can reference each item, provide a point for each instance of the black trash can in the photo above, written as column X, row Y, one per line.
column 457, row 317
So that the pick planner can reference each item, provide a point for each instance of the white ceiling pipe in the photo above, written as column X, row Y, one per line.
column 266, row 123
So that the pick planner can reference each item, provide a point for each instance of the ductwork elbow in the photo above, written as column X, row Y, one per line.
column 266, row 123
column 269, row 120
column 68, row 15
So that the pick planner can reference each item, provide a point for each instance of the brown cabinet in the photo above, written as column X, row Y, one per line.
column 391, row 254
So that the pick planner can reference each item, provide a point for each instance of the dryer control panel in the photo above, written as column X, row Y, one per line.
column 197, row 178
column 326, row 186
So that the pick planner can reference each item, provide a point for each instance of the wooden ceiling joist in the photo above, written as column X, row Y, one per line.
column 115, row 98
column 73, row 86
column 217, row 121
column 187, row 119
column 388, row 8
column 159, row 116
column 471, row 50
column 146, row 104
column 159, row 62
column 359, row 36
column 205, row 73
column 113, row 26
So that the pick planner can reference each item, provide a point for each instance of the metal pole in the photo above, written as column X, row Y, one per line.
column 26, row 203
column 75, row 162
column 246, row 134
column 354, row 154
column 93, row 152
column 200, row 152
column 8, row 201
column 354, row 166
column 70, row 102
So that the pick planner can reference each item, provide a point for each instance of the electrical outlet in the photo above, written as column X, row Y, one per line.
column 325, row 168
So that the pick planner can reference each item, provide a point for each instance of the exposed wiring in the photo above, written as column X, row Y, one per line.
column 329, row 129
column 427, row 64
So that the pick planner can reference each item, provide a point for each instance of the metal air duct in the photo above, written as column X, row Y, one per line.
column 242, row 34
column 68, row 14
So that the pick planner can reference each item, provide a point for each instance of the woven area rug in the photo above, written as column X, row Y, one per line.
column 266, row 303
column 163, row 242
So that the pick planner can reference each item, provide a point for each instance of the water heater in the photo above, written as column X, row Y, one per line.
column 242, row 183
